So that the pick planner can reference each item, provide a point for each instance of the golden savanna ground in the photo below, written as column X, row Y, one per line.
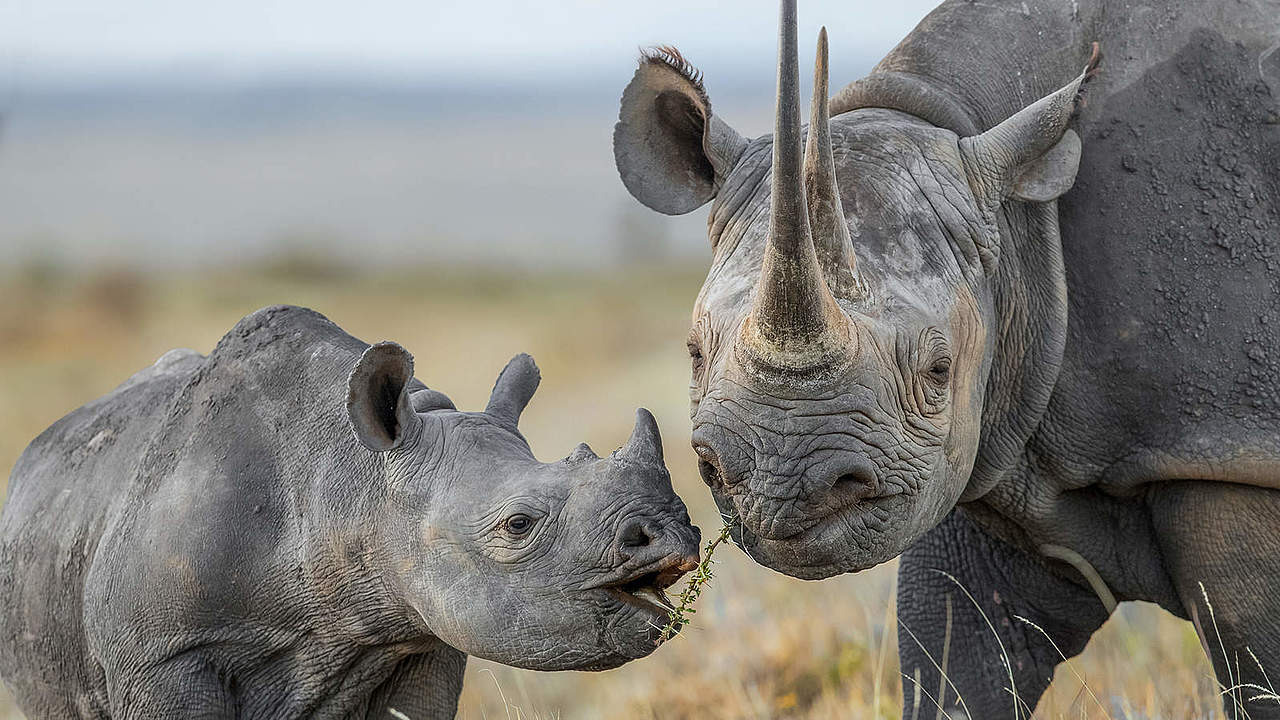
column 761, row 646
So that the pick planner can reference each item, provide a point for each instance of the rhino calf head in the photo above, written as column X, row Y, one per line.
column 837, row 394
column 546, row 566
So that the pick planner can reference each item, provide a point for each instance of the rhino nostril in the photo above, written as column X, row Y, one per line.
column 709, row 465
column 861, row 479
column 636, row 535
column 709, row 474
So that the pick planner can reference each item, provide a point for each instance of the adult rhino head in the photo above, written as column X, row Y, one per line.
column 547, row 566
column 845, row 341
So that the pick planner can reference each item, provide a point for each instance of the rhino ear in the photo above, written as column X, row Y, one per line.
column 1031, row 156
column 671, row 152
column 378, row 401
column 1051, row 175
column 514, row 389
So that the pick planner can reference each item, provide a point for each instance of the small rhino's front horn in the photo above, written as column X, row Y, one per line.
column 645, row 443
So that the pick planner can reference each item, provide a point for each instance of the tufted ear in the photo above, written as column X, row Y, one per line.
column 671, row 151
column 1031, row 156
column 378, row 402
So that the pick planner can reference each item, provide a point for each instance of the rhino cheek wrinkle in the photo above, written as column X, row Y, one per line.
column 334, row 558
column 883, row 360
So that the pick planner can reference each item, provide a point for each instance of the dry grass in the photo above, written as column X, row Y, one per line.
column 762, row 645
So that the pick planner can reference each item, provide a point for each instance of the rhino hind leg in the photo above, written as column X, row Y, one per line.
column 1220, row 544
column 1007, row 584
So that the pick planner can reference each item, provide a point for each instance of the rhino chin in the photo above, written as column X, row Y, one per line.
column 634, row 636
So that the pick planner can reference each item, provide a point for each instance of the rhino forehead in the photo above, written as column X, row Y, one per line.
column 907, row 204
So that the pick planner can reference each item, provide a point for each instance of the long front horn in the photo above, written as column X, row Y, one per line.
column 826, row 215
column 795, row 322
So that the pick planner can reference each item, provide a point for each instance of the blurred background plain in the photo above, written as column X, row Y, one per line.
column 441, row 174
column 162, row 134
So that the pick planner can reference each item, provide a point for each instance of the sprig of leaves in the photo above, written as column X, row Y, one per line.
column 680, row 615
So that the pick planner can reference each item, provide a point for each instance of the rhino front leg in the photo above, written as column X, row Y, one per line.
column 423, row 687
column 185, row 687
column 1220, row 543
column 940, row 625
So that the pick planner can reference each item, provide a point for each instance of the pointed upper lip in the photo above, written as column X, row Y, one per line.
column 840, row 502
column 661, row 573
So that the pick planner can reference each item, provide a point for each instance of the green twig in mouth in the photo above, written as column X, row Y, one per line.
column 679, row 615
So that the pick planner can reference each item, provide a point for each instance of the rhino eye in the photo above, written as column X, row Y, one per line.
column 519, row 524
column 940, row 370
column 695, row 354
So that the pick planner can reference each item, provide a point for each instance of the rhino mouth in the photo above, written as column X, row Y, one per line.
column 646, row 588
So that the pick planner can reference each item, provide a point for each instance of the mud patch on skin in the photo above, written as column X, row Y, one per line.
column 1169, row 237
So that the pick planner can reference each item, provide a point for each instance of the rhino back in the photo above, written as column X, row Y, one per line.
column 178, row 513
column 224, row 550
column 62, row 490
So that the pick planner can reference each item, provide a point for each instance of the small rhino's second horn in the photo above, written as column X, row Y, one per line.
column 645, row 443
column 581, row 453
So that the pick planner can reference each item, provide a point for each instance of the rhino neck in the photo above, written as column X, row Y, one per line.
column 911, row 94
column 968, row 66
column 1029, row 298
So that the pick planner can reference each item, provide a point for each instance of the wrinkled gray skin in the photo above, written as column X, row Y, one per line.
column 212, row 539
column 1015, row 320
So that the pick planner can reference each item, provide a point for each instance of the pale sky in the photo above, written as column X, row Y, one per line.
column 407, row 36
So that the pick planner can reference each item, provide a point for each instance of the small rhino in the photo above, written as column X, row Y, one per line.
column 296, row 527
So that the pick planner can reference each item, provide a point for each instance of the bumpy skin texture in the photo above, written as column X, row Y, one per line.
column 1168, row 375
column 1111, row 384
column 266, row 533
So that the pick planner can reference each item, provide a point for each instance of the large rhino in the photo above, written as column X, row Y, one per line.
column 1024, row 336
column 296, row 527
